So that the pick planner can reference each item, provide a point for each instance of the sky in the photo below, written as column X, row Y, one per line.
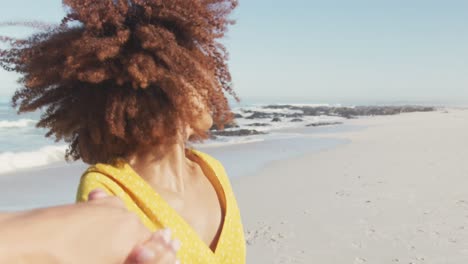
column 330, row 50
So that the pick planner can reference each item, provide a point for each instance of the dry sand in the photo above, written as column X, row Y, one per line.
column 398, row 193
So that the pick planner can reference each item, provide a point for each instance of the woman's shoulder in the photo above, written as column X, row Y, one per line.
column 97, row 176
column 101, row 170
column 89, row 181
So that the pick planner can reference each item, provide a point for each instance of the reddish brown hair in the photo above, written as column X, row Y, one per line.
column 117, row 74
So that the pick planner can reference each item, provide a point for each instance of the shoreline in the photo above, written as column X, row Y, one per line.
column 27, row 148
column 56, row 183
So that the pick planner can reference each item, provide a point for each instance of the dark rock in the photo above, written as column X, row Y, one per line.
column 276, row 119
column 259, row 124
column 237, row 133
column 230, row 125
column 324, row 124
column 389, row 110
column 314, row 111
column 278, row 107
column 238, row 116
column 257, row 115
column 293, row 115
column 297, row 120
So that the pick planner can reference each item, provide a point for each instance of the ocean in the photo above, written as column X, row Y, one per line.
column 23, row 146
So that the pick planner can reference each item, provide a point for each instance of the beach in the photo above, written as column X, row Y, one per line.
column 384, row 189
column 397, row 193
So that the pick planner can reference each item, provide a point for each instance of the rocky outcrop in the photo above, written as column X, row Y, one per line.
column 299, row 113
column 351, row 112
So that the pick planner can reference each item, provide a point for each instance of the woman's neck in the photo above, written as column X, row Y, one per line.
column 163, row 168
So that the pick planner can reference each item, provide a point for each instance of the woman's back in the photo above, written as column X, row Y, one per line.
column 156, row 213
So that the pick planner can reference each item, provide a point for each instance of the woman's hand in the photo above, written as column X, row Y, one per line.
column 160, row 249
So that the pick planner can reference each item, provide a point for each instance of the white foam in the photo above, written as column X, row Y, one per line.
column 243, row 110
column 17, row 123
column 12, row 161
column 222, row 141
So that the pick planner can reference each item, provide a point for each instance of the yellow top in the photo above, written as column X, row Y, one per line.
column 121, row 180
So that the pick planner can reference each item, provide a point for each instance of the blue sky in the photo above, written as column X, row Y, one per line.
column 331, row 50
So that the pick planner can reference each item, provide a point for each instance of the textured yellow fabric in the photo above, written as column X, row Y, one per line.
column 121, row 180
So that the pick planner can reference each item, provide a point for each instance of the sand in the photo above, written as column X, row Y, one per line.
column 397, row 193
column 377, row 190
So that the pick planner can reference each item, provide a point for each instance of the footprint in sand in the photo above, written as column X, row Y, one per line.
column 452, row 240
column 264, row 233
column 343, row 193
column 357, row 245
column 370, row 231
column 359, row 260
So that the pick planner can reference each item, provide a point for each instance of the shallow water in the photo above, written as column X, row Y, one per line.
column 243, row 160
column 57, row 185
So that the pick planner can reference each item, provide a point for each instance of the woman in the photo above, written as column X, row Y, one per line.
column 128, row 83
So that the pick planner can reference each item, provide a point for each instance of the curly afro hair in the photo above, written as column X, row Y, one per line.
column 119, row 74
